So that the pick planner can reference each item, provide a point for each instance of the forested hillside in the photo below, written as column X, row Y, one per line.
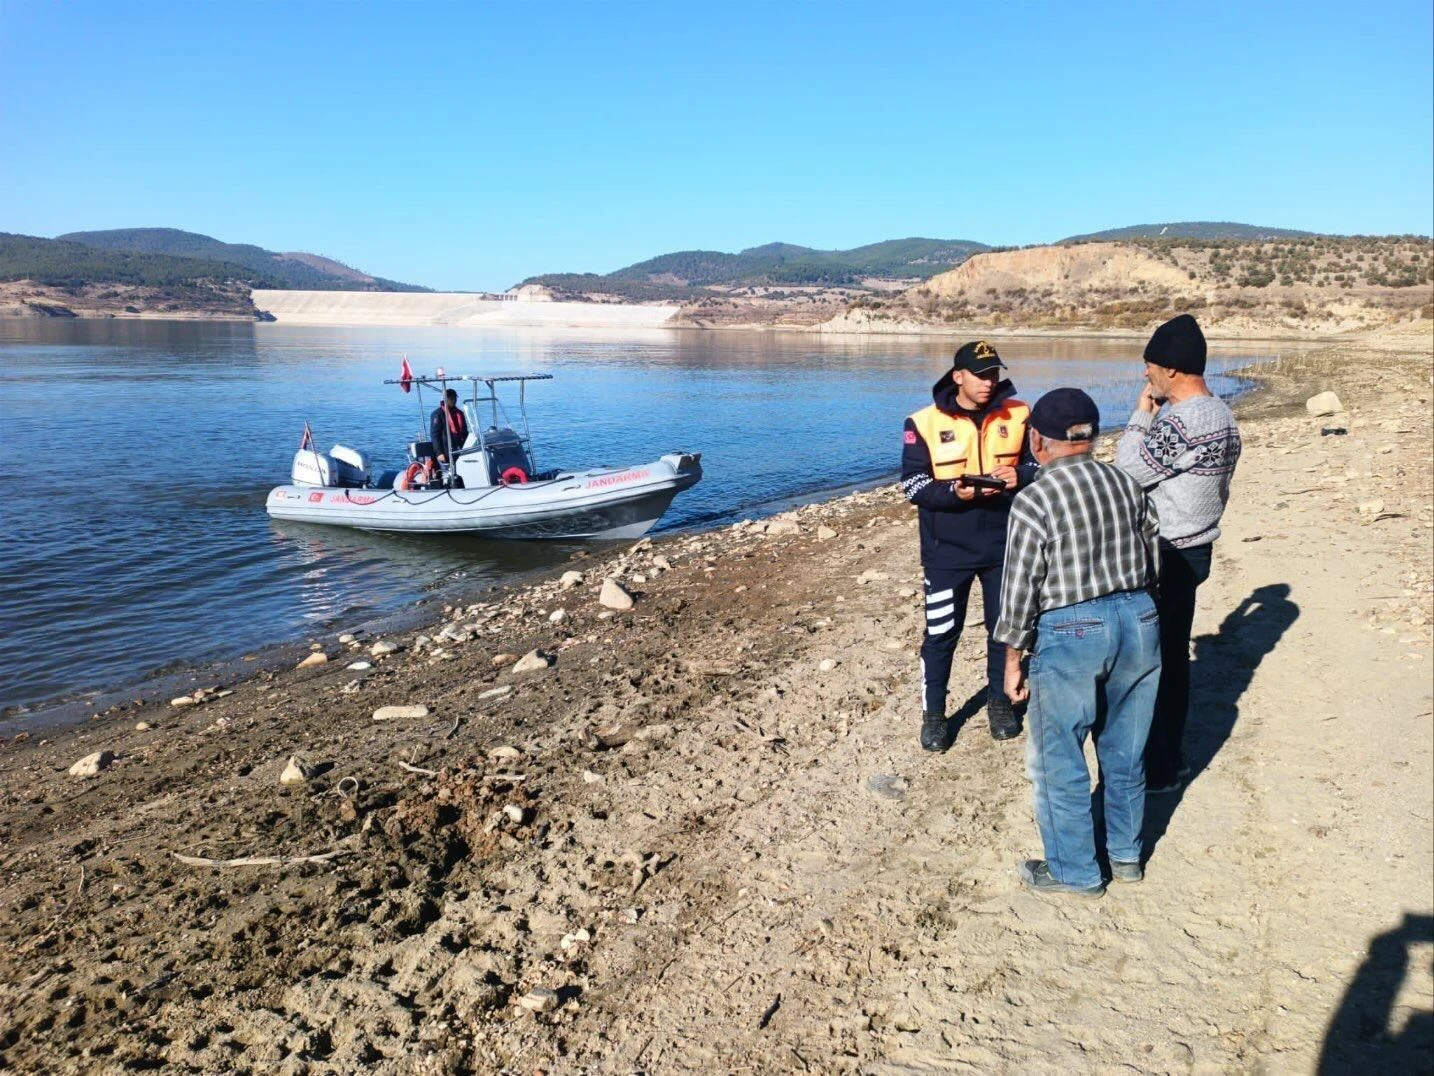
column 304, row 272
column 681, row 275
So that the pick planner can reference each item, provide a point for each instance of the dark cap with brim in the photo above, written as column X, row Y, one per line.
column 977, row 357
column 1066, row 415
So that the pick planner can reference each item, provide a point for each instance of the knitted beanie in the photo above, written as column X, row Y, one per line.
column 1178, row 345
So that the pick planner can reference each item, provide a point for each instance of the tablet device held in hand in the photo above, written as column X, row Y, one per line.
column 981, row 481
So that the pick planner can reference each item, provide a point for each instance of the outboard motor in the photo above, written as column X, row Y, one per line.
column 340, row 466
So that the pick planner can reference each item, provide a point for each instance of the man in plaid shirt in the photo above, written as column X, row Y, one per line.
column 1081, row 554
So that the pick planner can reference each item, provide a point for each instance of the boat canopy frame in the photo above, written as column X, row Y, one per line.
column 491, row 381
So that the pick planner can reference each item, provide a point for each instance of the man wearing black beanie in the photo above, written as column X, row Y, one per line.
column 1181, row 445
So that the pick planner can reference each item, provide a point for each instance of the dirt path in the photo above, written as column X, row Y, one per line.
column 725, row 891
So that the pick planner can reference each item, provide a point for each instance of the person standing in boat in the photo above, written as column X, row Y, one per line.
column 448, row 427
column 1181, row 445
column 963, row 458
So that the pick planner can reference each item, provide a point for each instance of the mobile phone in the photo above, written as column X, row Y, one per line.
column 981, row 481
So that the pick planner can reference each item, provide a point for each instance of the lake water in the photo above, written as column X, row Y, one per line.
column 135, row 457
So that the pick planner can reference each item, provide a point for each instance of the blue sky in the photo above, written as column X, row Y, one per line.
column 470, row 145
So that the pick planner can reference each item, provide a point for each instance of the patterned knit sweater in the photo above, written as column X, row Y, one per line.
column 1186, row 457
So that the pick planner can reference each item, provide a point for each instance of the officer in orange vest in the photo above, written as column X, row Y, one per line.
column 962, row 460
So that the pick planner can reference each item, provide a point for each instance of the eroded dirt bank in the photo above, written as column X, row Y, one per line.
column 713, row 884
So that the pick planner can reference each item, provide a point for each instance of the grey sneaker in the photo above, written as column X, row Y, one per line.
column 1036, row 874
column 1126, row 872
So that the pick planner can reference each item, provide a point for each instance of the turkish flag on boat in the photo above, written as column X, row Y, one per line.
column 405, row 376
column 307, row 441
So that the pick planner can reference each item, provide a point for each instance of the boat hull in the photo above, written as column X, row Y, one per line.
column 604, row 503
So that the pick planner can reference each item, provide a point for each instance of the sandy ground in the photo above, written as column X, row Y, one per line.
column 725, row 891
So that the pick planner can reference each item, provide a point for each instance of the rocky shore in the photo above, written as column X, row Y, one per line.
column 667, row 812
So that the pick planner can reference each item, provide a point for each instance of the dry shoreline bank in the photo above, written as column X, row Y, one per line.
column 722, row 889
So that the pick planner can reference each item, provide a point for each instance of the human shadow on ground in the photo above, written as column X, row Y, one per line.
column 1359, row 1039
column 1220, row 672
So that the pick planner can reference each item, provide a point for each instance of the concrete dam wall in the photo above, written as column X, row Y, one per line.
column 451, row 308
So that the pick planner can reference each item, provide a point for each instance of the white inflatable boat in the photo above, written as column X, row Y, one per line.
column 491, row 488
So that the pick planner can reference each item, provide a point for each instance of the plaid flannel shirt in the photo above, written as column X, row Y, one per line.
column 1082, row 530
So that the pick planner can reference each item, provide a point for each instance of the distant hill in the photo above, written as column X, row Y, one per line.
column 1190, row 229
column 676, row 275
column 301, row 271
column 62, row 263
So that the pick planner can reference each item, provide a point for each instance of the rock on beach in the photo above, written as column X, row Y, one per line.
column 296, row 772
column 400, row 713
column 91, row 765
column 614, row 596
column 532, row 661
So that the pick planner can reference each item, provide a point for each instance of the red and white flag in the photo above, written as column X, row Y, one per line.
column 307, row 441
column 405, row 376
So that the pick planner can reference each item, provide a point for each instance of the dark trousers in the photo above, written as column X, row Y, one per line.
column 946, row 594
column 1181, row 572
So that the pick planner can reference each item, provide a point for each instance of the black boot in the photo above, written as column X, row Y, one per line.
column 1001, row 716
column 936, row 734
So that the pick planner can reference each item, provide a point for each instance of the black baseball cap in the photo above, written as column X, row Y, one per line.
column 977, row 357
column 1066, row 415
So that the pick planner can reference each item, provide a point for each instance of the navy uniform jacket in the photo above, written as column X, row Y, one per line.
column 956, row 533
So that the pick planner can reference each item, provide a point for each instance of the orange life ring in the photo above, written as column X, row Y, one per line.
column 414, row 470
column 512, row 476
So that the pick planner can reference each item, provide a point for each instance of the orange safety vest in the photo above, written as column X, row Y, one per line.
column 957, row 447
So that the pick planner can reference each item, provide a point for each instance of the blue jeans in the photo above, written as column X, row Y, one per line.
column 1094, row 671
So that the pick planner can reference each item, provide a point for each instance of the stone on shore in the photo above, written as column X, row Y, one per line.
column 570, row 580
column 296, row 772
column 871, row 575
column 557, row 616
column 825, row 533
column 91, row 765
column 613, row 596
column 400, row 713
column 1324, row 403
column 184, row 700
column 539, row 999
column 495, row 692
column 318, row 657
column 777, row 527
column 382, row 647
column 532, row 661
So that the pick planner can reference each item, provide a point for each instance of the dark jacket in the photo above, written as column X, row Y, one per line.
column 439, row 435
column 957, row 533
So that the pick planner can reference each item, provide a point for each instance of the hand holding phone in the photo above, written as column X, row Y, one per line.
column 981, row 481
